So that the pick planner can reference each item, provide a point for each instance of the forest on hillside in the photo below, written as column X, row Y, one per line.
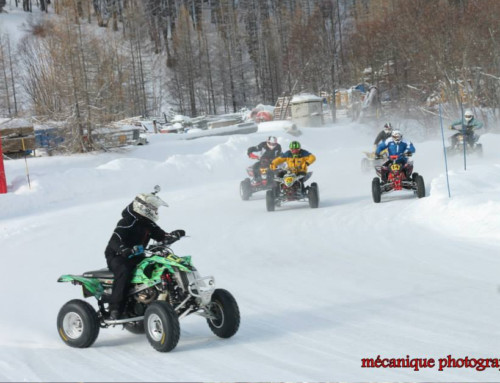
column 89, row 62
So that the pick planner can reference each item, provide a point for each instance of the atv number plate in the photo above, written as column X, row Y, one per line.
column 289, row 181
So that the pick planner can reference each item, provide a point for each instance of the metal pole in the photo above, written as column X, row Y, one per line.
column 444, row 151
column 3, row 180
column 463, row 134
column 26, row 163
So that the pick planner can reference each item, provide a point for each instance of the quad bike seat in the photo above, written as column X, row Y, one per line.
column 101, row 273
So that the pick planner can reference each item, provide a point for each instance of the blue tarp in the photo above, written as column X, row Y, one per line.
column 360, row 87
column 48, row 138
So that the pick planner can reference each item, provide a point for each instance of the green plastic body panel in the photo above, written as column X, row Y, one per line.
column 93, row 287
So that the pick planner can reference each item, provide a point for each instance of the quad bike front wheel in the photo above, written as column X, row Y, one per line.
column 225, row 319
column 161, row 325
column 376, row 190
column 420, row 186
column 270, row 203
column 313, row 194
column 245, row 189
column 78, row 324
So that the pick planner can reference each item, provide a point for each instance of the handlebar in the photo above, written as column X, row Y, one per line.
column 462, row 129
column 163, row 244
column 396, row 156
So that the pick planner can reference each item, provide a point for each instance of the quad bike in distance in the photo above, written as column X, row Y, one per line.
column 289, row 186
column 249, row 185
column 164, row 289
column 457, row 147
column 393, row 177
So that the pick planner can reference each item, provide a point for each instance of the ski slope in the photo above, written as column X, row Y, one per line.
column 318, row 289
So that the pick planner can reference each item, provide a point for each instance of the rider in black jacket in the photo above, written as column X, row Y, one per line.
column 383, row 134
column 270, row 149
column 126, row 246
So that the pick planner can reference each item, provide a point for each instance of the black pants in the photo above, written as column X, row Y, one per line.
column 122, row 269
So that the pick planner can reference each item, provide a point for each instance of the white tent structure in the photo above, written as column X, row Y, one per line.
column 307, row 110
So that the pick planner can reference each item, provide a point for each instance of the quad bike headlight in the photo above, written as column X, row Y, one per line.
column 289, row 181
column 395, row 167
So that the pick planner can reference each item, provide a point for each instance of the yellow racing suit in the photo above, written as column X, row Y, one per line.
column 297, row 163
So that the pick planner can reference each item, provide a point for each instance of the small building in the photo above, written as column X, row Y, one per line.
column 18, row 137
column 307, row 110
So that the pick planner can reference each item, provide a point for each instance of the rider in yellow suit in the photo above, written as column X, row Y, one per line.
column 296, row 158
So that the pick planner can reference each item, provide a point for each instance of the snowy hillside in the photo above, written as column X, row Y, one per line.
column 318, row 289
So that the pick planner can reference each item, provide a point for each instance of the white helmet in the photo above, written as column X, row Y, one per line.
column 147, row 204
column 468, row 115
column 272, row 142
column 396, row 136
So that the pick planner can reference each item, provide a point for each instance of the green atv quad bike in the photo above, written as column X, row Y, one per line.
column 164, row 288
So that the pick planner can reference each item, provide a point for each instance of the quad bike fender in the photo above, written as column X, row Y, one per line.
column 91, row 286
column 307, row 176
column 145, row 275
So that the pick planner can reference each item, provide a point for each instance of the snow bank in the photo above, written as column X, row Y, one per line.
column 473, row 210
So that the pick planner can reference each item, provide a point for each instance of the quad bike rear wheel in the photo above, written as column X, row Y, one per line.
column 376, row 190
column 270, row 204
column 313, row 194
column 162, row 326
column 225, row 312
column 245, row 189
column 78, row 324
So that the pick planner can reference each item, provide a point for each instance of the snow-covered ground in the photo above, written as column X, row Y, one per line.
column 318, row 289
column 14, row 22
